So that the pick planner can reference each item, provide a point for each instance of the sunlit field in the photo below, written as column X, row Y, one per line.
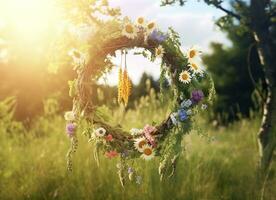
column 33, row 164
column 137, row 100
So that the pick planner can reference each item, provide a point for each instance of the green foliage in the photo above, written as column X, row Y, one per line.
column 34, row 166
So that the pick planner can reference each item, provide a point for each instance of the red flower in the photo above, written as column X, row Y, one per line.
column 111, row 154
column 109, row 138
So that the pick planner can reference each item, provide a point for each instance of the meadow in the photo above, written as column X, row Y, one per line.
column 33, row 160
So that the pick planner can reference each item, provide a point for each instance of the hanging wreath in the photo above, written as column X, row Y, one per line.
column 189, row 83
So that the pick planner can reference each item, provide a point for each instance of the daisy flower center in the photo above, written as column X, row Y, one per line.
column 147, row 151
column 192, row 53
column 150, row 25
column 140, row 20
column 159, row 51
column 185, row 76
column 142, row 143
column 129, row 29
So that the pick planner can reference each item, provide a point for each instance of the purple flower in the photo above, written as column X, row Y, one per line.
column 70, row 129
column 197, row 96
column 182, row 115
column 158, row 36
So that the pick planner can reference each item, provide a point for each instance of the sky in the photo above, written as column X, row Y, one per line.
column 194, row 22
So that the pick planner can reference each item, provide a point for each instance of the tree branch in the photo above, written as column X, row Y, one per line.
column 228, row 12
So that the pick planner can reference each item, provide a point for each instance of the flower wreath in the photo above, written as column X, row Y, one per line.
column 191, row 86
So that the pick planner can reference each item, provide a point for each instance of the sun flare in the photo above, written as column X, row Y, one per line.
column 28, row 20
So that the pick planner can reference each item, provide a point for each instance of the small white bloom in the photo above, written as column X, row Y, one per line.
column 100, row 132
column 151, row 26
column 148, row 152
column 186, row 103
column 185, row 77
column 136, row 131
column 141, row 22
column 159, row 51
column 139, row 143
column 204, row 106
column 129, row 30
column 189, row 112
column 193, row 54
column 70, row 116
column 196, row 68
column 173, row 118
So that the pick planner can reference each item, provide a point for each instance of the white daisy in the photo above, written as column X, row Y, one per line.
column 69, row 116
column 193, row 54
column 159, row 51
column 185, row 77
column 148, row 152
column 100, row 132
column 129, row 30
column 139, row 143
column 196, row 68
column 151, row 26
column 141, row 22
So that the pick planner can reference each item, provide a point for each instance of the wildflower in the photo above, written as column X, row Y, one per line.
column 129, row 30
column 151, row 26
column 148, row 132
column 158, row 36
column 111, row 154
column 173, row 118
column 139, row 143
column 138, row 180
column 182, row 114
column 197, row 96
column 159, row 51
column 148, row 152
column 71, row 129
column 204, row 106
column 140, row 21
column 69, row 116
column 100, row 132
column 193, row 54
column 189, row 112
column 136, row 131
column 194, row 66
column 185, row 77
column 109, row 138
column 186, row 103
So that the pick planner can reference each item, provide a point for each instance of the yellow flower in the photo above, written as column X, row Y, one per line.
column 185, row 77
column 159, row 51
column 196, row 68
column 150, row 27
column 129, row 30
column 139, row 143
column 148, row 152
column 193, row 54
column 140, row 21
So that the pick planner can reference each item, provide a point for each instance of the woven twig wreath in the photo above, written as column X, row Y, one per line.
column 190, row 85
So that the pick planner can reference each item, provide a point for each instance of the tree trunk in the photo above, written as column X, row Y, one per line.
column 267, row 134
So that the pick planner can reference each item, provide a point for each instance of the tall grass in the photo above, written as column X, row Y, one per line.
column 33, row 164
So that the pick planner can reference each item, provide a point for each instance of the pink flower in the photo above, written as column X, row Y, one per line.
column 111, row 154
column 109, row 138
column 148, row 131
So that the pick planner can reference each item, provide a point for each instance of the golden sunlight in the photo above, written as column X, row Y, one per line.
column 28, row 21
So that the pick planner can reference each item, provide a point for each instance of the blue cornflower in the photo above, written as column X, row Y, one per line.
column 158, row 36
column 182, row 114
